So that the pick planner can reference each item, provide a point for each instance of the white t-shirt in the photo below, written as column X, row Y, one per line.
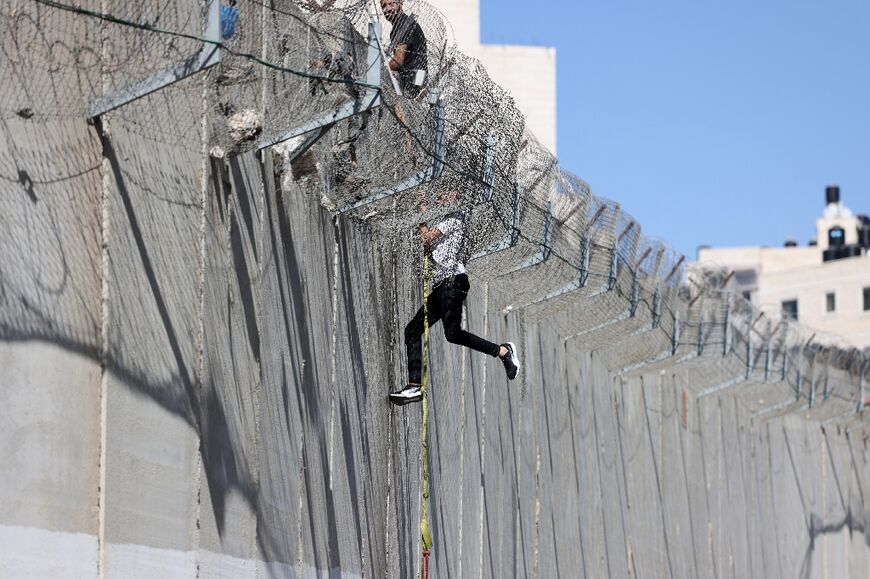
column 447, row 251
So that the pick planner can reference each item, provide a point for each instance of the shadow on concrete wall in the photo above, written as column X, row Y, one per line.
column 816, row 525
column 49, row 185
column 36, row 312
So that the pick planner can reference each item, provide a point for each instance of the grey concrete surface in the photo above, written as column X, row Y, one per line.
column 50, row 377
column 194, row 363
column 250, row 340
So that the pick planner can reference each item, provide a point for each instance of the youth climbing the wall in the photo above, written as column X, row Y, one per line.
column 444, row 245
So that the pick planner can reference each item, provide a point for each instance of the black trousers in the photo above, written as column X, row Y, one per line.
column 444, row 303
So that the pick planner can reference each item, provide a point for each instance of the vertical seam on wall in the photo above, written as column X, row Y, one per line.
column 104, row 376
column 203, row 191
column 463, row 357
column 336, row 232
column 708, row 479
column 598, row 465
column 266, row 177
column 390, row 369
column 627, row 529
column 483, row 434
column 518, row 454
column 537, row 542
column 823, row 458
column 258, row 388
column 722, row 478
column 104, row 329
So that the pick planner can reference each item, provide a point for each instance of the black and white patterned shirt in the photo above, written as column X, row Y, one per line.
column 447, row 251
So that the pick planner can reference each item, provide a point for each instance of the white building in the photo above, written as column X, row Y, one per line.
column 527, row 72
column 825, row 285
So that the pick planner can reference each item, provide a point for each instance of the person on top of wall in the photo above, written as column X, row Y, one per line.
column 407, row 53
column 444, row 245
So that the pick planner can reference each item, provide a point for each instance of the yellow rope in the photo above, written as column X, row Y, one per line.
column 424, row 383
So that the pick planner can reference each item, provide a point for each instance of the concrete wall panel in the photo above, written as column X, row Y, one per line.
column 50, row 324
column 152, row 403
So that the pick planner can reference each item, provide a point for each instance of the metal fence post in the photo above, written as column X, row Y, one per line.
column 726, row 349
column 489, row 168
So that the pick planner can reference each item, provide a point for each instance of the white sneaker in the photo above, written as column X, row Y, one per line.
column 510, row 360
column 408, row 394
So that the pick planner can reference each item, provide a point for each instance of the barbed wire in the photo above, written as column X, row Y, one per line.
column 204, row 40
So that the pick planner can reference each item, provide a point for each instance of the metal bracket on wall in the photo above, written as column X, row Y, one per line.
column 635, row 289
column 614, row 256
column 208, row 56
column 749, row 354
column 750, row 351
column 634, row 297
column 656, row 307
column 826, row 392
column 434, row 171
column 862, row 390
column 585, row 260
column 489, row 168
column 546, row 248
column 727, row 331
column 317, row 127
column 784, row 364
column 800, row 375
column 702, row 327
column 859, row 407
column 513, row 235
column 675, row 269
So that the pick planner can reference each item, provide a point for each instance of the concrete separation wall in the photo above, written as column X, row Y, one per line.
column 195, row 352
column 195, row 364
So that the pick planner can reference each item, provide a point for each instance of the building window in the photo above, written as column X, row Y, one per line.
column 746, row 277
column 836, row 237
column 867, row 299
column 830, row 302
column 790, row 310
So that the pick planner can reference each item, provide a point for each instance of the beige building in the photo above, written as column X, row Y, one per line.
column 527, row 72
column 824, row 285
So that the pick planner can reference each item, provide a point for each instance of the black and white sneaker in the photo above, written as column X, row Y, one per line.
column 408, row 394
column 510, row 360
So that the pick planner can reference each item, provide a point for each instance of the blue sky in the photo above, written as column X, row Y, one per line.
column 711, row 121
